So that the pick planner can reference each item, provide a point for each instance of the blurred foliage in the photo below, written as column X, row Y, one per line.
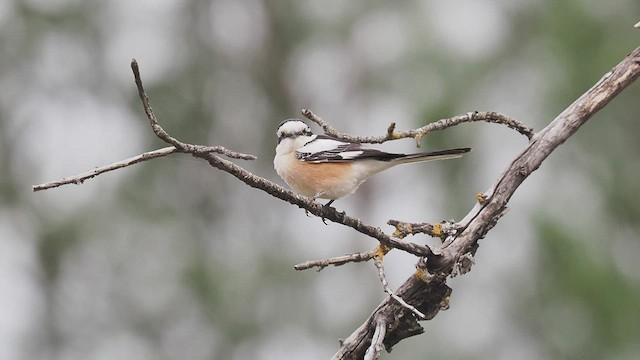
column 172, row 259
column 585, row 307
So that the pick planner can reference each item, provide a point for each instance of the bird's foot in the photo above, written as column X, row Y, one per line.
column 327, row 205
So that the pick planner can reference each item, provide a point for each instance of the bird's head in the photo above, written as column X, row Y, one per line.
column 292, row 128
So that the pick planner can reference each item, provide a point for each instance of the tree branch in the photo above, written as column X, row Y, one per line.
column 418, row 134
column 336, row 261
column 442, row 230
column 377, row 260
column 373, row 352
column 455, row 256
column 271, row 188
column 208, row 153
column 426, row 291
column 80, row 178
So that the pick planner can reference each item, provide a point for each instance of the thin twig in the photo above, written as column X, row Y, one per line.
column 336, row 261
column 80, row 178
column 441, row 230
column 418, row 134
column 177, row 147
column 157, row 129
column 376, row 347
column 220, row 150
column 377, row 260
column 162, row 134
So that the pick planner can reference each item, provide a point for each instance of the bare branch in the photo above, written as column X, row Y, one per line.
column 457, row 251
column 442, row 230
column 419, row 133
column 486, row 214
column 428, row 294
column 373, row 352
column 80, row 178
column 425, row 293
column 324, row 212
column 377, row 260
column 207, row 153
column 157, row 129
column 336, row 261
column 222, row 151
column 162, row 134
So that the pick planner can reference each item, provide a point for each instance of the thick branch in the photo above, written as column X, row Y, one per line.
column 485, row 215
column 428, row 295
column 456, row 252
column 377, row 260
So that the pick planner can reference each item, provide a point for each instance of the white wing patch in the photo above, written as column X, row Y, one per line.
column 326, row 149
column 348, row 155
column 321, row 145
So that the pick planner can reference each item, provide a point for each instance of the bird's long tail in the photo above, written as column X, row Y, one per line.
column 431, row 156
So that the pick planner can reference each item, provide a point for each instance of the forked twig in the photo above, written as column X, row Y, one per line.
column 377, row 260
column 377, row 341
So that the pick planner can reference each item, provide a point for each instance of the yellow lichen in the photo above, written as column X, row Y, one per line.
column 437, row 230
column 380, row 251
column 423, row 275
column 444, row 304
column 402, row 230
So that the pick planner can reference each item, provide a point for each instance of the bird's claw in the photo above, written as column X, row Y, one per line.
column 328, row 206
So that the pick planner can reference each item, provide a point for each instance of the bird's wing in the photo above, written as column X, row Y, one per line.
column 324, row 148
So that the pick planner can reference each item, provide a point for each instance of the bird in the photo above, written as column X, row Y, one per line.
column 325, row 167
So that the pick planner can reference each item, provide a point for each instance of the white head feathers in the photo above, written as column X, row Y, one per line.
column 292, row 127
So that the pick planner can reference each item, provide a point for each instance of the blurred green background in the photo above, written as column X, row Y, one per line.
column 172, row 259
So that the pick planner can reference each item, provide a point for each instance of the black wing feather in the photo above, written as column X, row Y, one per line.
column 335, row 154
